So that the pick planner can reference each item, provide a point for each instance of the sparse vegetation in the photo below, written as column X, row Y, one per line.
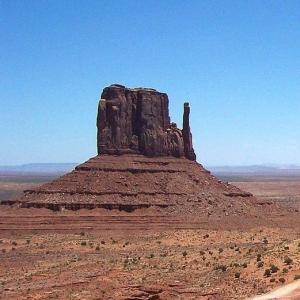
column 258, row 257
column 281, row 279
column 288, row 260
column 273, row 269
column 285, row 270
column 267, row 273
column 223, row 268
column 265, row 241
column 260, row 264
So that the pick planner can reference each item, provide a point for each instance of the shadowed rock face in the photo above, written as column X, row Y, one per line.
column 138, row 121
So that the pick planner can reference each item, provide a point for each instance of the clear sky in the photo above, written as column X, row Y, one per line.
column 236, row 62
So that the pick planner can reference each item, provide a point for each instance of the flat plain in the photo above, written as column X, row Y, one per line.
column 106, row 255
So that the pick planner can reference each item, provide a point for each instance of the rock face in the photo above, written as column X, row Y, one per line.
column 137, row 121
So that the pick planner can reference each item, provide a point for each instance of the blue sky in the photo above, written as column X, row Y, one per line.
column 236, row 62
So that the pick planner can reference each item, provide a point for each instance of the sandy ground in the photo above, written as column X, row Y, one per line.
column 96, row 257
column 288, row 291
column 180, row 264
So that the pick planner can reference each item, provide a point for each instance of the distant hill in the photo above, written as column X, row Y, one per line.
column 39, row 168
column 257, row 169
column 60, row 168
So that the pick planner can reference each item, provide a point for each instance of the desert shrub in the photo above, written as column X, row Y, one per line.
column 13, row 248
column 236, row 265
column 258, row 257
column 288, row 260
column 97, row 248
column 272, row 280
column 206, row 236
column 274, row 268
column 297, row 277
column 83, row 243
column 285, row 270
column 244, row 265
column 237, row 249
column 237, row 275
column 260, row 264
column 223, row 268
column 151, row 255
column 82, row 233
column 102, row 242
column 14, row 243
column 221, row 250
column 281, row 279
column 286, row 247
column 184, row 253
column 265, row 241
column 267, row 273
column 28, row 241
column 202, row 252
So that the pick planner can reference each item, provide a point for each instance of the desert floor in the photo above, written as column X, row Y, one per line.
column 112, row 256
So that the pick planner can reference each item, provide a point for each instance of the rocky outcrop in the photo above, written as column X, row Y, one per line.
column 156, row 172
column 137, row 121
column 131, row 182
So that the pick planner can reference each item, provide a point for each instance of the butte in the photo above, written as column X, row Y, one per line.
column 144, row 164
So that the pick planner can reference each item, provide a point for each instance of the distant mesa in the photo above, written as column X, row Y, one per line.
column 137, row 121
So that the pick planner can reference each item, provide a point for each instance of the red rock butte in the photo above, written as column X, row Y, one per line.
column 143, row 161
